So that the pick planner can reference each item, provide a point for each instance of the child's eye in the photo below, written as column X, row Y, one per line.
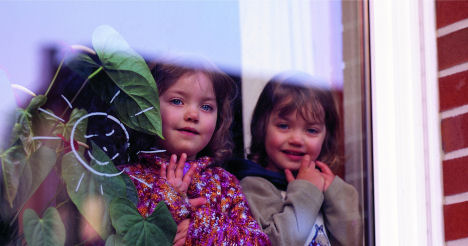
column 207, row 108
column 282, row 126
column 312, row 131
column 176, row 101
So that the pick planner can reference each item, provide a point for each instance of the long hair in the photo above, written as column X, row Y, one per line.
column 167, row 73
column 288, row 92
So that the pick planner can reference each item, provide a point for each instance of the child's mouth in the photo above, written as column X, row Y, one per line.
column 293, row 153
column 189, row 130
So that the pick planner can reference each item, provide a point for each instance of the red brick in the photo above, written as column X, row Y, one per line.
column 453, row 91
column 455, row 173
column 454, row 133
column 452, row 49
column 449, row 12
column 456, row 221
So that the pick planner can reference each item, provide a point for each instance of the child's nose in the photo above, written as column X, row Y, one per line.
column 296, row 138
column 191, row 113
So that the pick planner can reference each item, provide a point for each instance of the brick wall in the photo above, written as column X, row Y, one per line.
column 452, row 46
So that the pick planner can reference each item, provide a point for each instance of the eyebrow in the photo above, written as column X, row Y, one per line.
column 184, row 94
column 282, row 117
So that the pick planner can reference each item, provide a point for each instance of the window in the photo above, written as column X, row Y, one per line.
column 249, row 40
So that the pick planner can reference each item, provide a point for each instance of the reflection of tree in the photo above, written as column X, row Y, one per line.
column 51, row 137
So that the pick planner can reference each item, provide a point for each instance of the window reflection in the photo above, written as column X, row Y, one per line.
column 249, row 40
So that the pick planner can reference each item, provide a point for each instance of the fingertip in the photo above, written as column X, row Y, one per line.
column 289, row 175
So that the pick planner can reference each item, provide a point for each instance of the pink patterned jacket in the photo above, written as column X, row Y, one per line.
column 224, row 220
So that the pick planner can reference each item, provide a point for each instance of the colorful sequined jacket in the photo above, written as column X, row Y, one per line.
column 224, row 220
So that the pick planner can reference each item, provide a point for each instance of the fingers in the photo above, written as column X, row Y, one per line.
column 188, row 176
column 182, row 229
column 179, row 242
column 171, row 167
column 197, row 202
column 324, row 167
column 305, row 163
column 289, row 175
column 163, row 171
column 179, row 171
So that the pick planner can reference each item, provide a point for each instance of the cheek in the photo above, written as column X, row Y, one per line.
column 271, row 140
column 315, row 147
column 210, row 124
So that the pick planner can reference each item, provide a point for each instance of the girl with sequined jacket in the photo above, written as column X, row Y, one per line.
column 205, row 200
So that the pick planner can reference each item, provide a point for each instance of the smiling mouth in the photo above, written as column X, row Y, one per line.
column 189, row 130
column 293, row 153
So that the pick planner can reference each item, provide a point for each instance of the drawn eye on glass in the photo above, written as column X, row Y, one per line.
column 107, row 134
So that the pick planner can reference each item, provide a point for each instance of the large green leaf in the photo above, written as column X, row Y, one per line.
column 65, row 128
column 136, row 230
column 115, row 240
column 13, row 162
column 131, row 74
column 23, row 128
column 22, row 176
column 92, row 193
column 46, row 231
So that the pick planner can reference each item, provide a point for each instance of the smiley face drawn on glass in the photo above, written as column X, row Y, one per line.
column 83, row 162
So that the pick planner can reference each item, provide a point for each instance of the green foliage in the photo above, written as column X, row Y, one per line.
column 125, row 71
column 28, row 160
column 23, row 128
column 48, row 230
column 92, row 193
column 114, row 240
column 131, row 74
column 22, row 175
column 135, row 230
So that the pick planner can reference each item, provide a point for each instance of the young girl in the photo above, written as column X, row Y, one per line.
column 294, row 131
column 204, row 199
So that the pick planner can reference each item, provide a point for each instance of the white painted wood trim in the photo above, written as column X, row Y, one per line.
column 457, row 198
column 406, row 124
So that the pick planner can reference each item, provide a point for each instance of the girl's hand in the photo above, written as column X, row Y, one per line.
column 182, row 227
column 327, row 174
column 181, row 234
column 174, row 174
column 307, row 172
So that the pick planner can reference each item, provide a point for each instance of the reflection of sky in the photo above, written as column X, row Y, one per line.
column 209, row 28
column 265, row 36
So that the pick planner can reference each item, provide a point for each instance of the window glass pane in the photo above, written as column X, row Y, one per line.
column 251, row 41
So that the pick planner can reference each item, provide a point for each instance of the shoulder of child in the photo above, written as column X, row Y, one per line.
column 339, row 188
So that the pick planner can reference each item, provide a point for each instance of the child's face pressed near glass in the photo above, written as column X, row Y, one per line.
column 189, row 114
column 288, row 138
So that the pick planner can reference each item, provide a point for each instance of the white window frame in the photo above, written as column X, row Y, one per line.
column 406, row 123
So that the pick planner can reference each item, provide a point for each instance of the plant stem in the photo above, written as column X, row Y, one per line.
column 62, row 203
column 76, row 95
column 55, row 76
column 81, row 88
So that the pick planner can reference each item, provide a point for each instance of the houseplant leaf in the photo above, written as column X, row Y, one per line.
column 88, row 190
column 48, row 230
column 37, row 168
column 129, row 72
column 115, row 240
column 13, row 162
column 136, row 230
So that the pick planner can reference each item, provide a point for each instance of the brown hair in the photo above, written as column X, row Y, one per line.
column 167, row 73
column 290, row 91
